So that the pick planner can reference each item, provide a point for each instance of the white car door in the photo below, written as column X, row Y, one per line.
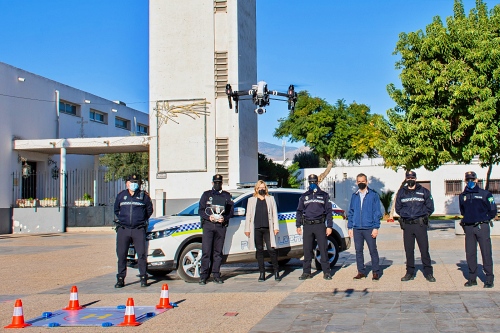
column 236, row 241
column 287, row 208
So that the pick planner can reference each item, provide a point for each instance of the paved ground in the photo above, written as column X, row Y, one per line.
column 41, row 270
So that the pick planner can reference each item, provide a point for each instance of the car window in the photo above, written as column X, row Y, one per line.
column 287, row 202
column 242, row 203
column 191, row 210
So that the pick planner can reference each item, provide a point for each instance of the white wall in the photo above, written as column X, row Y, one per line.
column 382, row 179
column 29, row 112
column 184, row 37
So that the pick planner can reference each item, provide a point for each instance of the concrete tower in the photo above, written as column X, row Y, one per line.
column 195, row 48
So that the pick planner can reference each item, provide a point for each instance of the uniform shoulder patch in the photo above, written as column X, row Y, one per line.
column 491, row 199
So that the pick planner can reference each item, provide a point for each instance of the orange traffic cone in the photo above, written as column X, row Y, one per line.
column 18, row 316
column 73, row 300
column 164, row 300
column 129, row 319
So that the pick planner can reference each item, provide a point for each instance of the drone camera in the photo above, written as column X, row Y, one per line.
column 260, row 111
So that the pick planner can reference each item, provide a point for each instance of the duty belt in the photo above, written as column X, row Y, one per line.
column 475, row 224
column 314, row 221
column 414, row 221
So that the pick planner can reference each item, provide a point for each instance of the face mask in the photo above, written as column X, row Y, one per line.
column 411, row 182
column 133, row 187
column 313, row 187
column 471, row 184
column 362, row 186
column 217, row 186
column 262, row 192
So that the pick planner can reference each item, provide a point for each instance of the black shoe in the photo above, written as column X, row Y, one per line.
column 120, row 282
column 430, row 278
column 202, row 282
column 218, row 280
column 262, row 277
column 144, row 282
column 277, row 276
column 408, row 277
column 489, row 284
column 470, row 283
column 305, row 276
column 327, row 276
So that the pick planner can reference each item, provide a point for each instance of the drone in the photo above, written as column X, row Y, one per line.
column 260, row 95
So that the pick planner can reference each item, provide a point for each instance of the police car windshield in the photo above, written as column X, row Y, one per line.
column 192, row 210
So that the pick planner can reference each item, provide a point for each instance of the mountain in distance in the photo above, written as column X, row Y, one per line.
column 275, row 152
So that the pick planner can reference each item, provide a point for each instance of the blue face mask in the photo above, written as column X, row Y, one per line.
column 313, row 187
column 471, row 184
column 133, row 187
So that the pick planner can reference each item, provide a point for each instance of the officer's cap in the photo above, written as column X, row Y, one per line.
column 217, row 178
column 411, row 174
column 133, row 178
column 470, row 175
column 312, row 178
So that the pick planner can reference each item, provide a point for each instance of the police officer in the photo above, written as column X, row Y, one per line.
column 313, row 210
column 214, row 229
column 477, row 207
column 414, row 205
column 133, row 208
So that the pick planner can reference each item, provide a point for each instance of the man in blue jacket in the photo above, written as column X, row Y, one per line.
column 363, row 224
column 478, row 208
column 133, row 208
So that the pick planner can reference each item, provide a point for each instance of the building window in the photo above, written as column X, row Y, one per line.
column 220, row 6
column 222, row 158
column 122, row 123
column 494, row 186
column 97, row 116
column 142, row 129
column 453, row 187
column 67, row 107
column 220, row 73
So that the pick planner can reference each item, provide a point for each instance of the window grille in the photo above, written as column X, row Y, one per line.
column 453, row 187
column 222, row 158
column 220, row 73
column 220, row 6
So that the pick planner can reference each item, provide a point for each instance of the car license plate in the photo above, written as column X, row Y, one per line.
column 131, row 252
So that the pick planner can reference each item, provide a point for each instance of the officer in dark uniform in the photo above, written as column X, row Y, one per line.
column 313, row 210
column 133, row 208
column 414, row 205
column 477, row 207
column 214, row 230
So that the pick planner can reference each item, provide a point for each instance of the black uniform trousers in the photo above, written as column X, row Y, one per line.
column 212, row 244
column 318, row 232
column 479, row 234
column 262, row 235
column 125, row 236
column 417, row 232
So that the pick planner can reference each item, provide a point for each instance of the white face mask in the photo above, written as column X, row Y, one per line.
column 133, row 187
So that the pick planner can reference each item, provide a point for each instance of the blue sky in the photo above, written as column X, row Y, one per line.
column 334, row 49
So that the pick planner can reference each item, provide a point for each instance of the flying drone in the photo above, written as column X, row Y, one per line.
column 260, row 95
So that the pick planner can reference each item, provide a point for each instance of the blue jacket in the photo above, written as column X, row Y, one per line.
column 133, row 211
column 367, row 217
column 477, row 205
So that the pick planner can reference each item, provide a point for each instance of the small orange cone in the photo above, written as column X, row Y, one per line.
column 129, row 319
column 18, row 316
column 73, row 300
column 164, row 300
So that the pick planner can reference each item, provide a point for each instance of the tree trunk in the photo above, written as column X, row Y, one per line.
column 488, row 176
column 325, row 173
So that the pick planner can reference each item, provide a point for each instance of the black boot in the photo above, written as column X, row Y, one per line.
column 262, row 277
column 144, row 281
column 120, row 282
column 277, row 276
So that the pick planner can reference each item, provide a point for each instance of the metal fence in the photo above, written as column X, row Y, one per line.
column 43, row 188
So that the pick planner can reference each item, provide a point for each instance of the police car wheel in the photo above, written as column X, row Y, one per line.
column 333, row 253
column 190, row 263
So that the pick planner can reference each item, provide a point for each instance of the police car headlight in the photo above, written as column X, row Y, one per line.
column 161, row 233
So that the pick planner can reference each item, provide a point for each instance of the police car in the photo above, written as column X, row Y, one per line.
column 175, row 241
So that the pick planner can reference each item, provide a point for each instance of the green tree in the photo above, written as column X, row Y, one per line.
column 268, row 170
column 449, row 106
column 121, row 165
column 306, row 159
column 331, row 131
column 293, row 181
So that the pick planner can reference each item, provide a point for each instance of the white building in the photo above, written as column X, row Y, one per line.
column 37, row 108
column 195, row 49
column 444, row 183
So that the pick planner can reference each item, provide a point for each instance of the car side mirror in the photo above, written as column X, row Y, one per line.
column 239, row 211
